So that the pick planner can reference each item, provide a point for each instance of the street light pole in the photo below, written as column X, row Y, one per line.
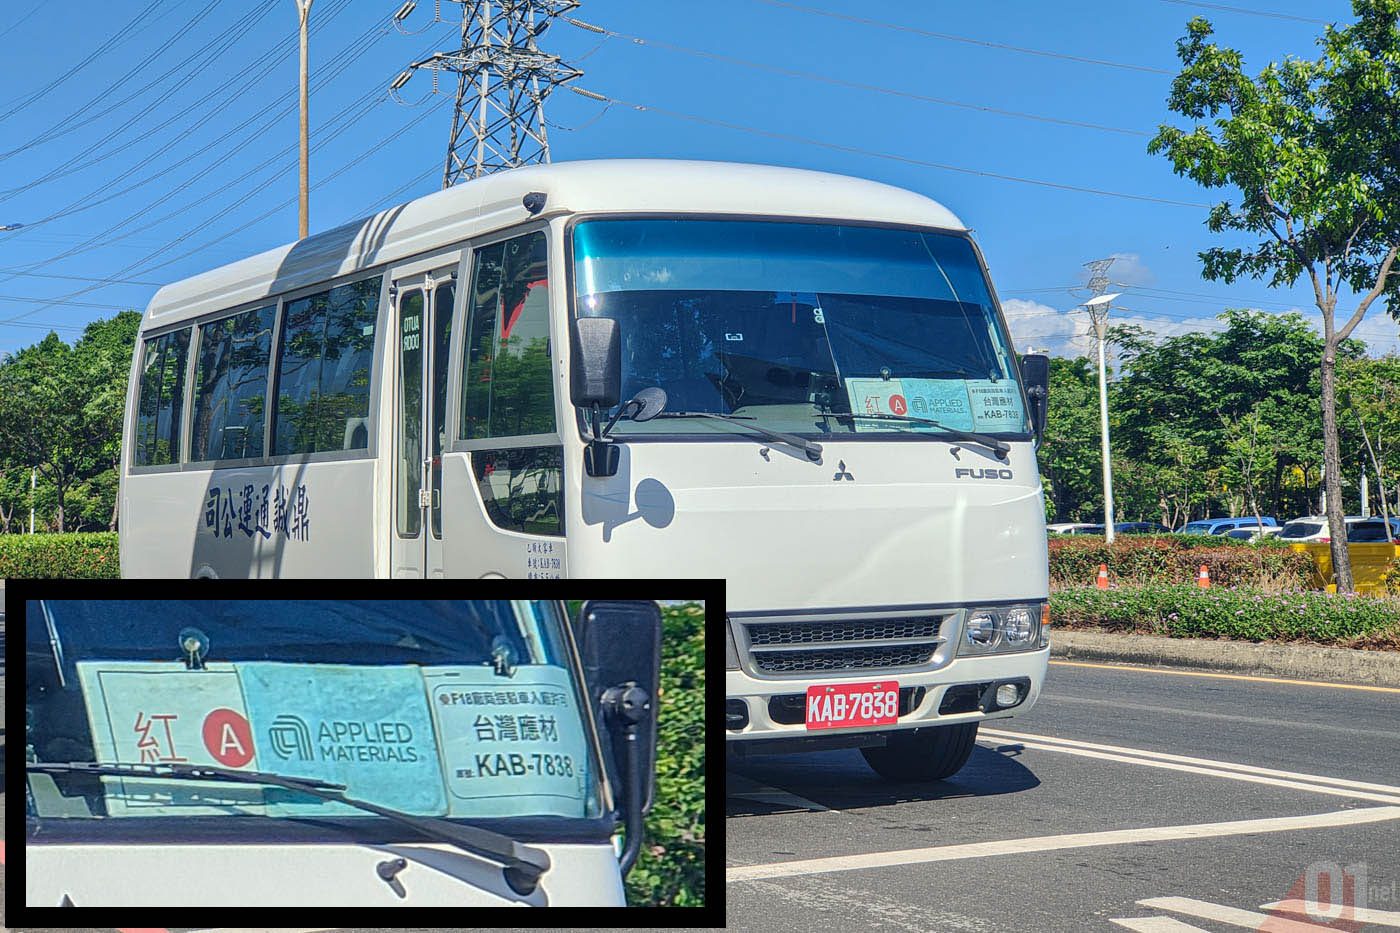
column 304, row 14
column 1098, row 309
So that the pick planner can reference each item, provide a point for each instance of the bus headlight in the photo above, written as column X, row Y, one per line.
column 1001, row 629
column 731, row 654
column 1019, row 627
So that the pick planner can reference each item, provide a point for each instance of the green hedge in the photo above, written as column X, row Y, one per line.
column 1143, row 559
column 71, row 556
column 1185, row 611
column 671, row 869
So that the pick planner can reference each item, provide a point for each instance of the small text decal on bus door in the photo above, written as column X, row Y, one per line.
column 259, row 510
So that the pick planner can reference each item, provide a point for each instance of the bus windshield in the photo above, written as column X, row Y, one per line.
column 445, row 708
column 801, row 327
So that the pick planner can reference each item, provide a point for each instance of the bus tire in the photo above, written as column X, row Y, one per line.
column 930, row 754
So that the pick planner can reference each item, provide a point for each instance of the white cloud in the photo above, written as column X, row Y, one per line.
column 1065, row 332
column 1129, row 269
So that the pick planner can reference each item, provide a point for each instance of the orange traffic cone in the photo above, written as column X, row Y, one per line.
column 1103, row 577
column 1203, row 578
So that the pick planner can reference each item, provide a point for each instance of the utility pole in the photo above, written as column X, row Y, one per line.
column 502, row 81
column 33, row 478
column 304, row 14
column 1098, row 306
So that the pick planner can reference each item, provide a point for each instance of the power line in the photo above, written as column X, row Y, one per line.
column 807, row 141
column 948, row 37
column 91, row 156
column 104, row 238
column 809, row 76
column 70, row 123
column 112, row 42
column 1235, row 9
column 21, row 21
column 79, row 278
column 140, row 266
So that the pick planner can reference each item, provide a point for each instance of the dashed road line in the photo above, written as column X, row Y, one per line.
column 1317, row 784
column 1234, row 916
column 1380, row 918
column 1156, row 925
column 903, row 857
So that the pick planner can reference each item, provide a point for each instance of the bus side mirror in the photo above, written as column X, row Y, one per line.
column 595, row 383
column 620, row 645
column 1035, row 373
column 595, row 362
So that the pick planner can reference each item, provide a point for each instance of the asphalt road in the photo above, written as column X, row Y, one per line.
column 1086, row 814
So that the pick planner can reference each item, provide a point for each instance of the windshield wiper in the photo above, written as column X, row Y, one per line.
column 812, row 449
column 999, row 446
column 522, row 865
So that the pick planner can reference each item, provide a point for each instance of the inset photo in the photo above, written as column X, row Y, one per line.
column 266, row 751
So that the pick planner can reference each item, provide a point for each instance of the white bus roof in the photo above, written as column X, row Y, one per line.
column 493, row 202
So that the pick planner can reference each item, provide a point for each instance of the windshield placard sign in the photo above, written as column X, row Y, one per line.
column 157, row 713
column 510, row 745
column 367, row 728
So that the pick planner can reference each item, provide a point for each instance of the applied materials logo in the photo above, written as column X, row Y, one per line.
column 290, row 737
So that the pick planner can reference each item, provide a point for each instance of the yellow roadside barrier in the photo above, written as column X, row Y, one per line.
column 1370, row 562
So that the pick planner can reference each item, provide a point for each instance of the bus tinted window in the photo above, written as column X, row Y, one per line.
column 159, row 412
column 323, row 374
column 523, row 490
column 230, row 386
column 506, row 386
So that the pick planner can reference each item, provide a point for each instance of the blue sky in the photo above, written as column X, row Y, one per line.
column 179, row 93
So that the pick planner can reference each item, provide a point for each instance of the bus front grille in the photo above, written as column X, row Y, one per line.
column 843, row 645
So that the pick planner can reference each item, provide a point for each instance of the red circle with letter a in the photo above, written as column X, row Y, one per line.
column 898, row 405
column 228, row 738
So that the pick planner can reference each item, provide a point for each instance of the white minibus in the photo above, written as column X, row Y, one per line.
column 798, row 381
column 233, row 752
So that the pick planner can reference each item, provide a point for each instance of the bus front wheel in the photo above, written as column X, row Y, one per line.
column 923, row 754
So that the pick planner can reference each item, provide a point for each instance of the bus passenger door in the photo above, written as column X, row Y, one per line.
column 423, row 324
column 505, row 470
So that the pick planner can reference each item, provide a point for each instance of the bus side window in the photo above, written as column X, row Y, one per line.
column 323, row 369
column 230, row 386
column 506, row 386
column 159, row 410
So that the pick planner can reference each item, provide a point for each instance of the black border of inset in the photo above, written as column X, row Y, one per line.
column 19, row 915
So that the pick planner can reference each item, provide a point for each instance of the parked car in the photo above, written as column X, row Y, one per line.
column 1372, row 530
column 1074, row 528
column 1307, row 528
column 1254, row 532
column 1219, row 526
column 1141, row 528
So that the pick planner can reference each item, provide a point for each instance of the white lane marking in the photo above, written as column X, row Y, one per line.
column 1381, row 918
column 1156, row 925
column 1208, row 762
column 749, row 789
column 901, row 857
column 1231, row 915
column 265, row 930
column 1212, row 772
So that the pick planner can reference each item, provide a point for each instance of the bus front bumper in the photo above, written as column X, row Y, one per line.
column 769, row 714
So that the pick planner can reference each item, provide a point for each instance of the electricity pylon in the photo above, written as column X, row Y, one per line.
column 502, row 81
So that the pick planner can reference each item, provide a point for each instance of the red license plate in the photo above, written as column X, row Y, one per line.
column 844, row 705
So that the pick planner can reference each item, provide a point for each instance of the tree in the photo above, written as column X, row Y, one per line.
column 1313, row 147
column 61, row 411
column 1069, row 455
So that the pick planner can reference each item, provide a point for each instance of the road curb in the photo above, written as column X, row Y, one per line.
column 1299, row 662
